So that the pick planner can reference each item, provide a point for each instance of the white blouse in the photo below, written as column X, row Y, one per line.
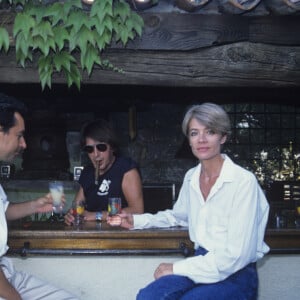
column 230, row 224
column 3, row 225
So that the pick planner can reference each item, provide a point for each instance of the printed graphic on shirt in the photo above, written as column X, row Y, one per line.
column 104, row 187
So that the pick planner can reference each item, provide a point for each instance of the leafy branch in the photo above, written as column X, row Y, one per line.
column 56, row 32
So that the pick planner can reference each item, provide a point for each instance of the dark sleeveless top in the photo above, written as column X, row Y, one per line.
column 109, row 184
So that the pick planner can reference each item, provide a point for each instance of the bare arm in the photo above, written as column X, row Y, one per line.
column 19, row 210
column 7, row 291
column 132, row 189
column 133, row 192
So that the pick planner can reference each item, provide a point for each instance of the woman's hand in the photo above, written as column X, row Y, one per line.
column 163, row 269
column 124, row 220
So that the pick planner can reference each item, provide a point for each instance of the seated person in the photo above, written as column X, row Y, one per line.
column 109, row 175
column 226, row 213
column 15, row 284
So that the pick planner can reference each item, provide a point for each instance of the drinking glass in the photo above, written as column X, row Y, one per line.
column 78, row 209
column 56, row 189
column 114, row 206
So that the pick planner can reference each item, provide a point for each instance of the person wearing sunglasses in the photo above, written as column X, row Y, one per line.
column 108, row 175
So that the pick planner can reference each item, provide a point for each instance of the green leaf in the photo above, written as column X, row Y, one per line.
column 23, row 23
column 63, row 60
column 39, row 44
column 103, row 40
column 22, row 44
column 20, row 57
column 122, row 9
column 108, row 23
column 84, row 37
column 70, row 5
column 101, row 8
column 90, row 58
column 123, row 35
column 4, row 39
column 135, row 22
column 61, row 36
column 36, row 11
column 44, row 63
column 42, row 46
column 55, row 30
column 77, row 20
column 129, row 24
column 119, row 28
column 45, row 71
column 73, row 76
column 55, row 12
column 42, row 29
column 75, row 4
column 45, row 78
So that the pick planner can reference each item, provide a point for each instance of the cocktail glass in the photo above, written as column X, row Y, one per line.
column 57, row 190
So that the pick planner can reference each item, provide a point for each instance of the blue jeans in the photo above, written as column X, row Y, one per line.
column 242, row 285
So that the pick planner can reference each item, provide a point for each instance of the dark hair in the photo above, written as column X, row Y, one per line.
column 8, row 107
column 102, row 131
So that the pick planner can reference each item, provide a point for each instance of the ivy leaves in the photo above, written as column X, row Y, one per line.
column 66, row 39
column 4, row 39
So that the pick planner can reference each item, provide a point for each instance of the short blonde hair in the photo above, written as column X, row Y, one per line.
column 211, row 115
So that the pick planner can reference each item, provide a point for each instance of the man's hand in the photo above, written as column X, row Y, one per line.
column 40, row 205
column 69, row 218
column 43, row 204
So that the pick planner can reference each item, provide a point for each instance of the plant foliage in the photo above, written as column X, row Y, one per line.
column 65, row 38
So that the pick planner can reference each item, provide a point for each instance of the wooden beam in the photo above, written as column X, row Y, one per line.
column 173, row 31
column 164, row 31
column 278, row 30
column 240, row 64
column 193, row 50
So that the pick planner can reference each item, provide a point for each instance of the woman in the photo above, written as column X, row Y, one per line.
column 109, row 175
column 226, row 213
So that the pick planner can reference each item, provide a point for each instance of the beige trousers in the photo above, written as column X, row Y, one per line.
column 30, row 287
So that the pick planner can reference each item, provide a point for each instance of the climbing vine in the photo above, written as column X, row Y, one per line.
column 65, row 37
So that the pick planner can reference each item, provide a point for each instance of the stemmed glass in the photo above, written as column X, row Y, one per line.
column 57, row 190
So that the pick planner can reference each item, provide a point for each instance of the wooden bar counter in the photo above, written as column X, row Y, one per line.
column 92, row 238
column 283, row 240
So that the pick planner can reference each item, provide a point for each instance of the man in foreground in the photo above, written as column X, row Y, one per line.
column 15, row 285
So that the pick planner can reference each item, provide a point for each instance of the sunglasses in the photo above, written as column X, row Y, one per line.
column 90, row 148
